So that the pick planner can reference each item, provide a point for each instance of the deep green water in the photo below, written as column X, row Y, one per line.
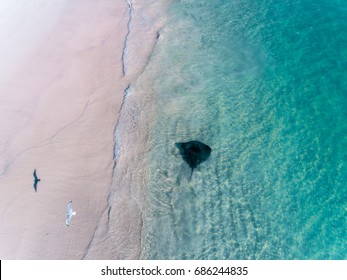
column 264, row 84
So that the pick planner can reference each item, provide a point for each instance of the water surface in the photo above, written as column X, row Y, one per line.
column 264, row 84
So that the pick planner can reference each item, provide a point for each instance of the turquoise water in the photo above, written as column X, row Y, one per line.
column 264, row 84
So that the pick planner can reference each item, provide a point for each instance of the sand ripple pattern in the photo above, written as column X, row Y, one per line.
column 274, row 186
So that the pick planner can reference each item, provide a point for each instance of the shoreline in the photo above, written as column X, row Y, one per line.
column 118, row 235
column 75, row 93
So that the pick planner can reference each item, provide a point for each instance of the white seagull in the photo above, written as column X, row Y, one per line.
column 69, row 213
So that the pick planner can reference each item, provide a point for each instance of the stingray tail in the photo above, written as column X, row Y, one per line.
column 191, row 174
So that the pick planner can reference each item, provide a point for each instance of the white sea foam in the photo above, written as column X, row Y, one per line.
column 119, row 232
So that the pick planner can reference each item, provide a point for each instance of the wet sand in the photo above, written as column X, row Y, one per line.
column 61, row 92
column 118, row 235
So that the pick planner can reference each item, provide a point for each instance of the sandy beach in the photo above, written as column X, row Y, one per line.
column 98, row 97
column 119, row 233
column 68, row 69
column 60, row 93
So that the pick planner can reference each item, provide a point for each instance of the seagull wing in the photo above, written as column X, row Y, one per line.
column 68, row 218
column 34, row 174
column 69, row 206
column 69, row 213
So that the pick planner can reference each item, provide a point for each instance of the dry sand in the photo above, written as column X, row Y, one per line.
column 66, row 65
column 61, row 88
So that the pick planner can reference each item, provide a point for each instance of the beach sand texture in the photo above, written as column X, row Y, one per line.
column 118, row 235
column 60, row 93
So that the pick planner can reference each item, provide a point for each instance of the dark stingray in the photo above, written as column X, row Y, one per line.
column 36, row 180
column 194, row 153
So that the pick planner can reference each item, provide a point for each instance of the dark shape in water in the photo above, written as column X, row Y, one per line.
column 36, row 180
column 194, row 153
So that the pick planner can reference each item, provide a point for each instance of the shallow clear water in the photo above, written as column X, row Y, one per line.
column 264, row 84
